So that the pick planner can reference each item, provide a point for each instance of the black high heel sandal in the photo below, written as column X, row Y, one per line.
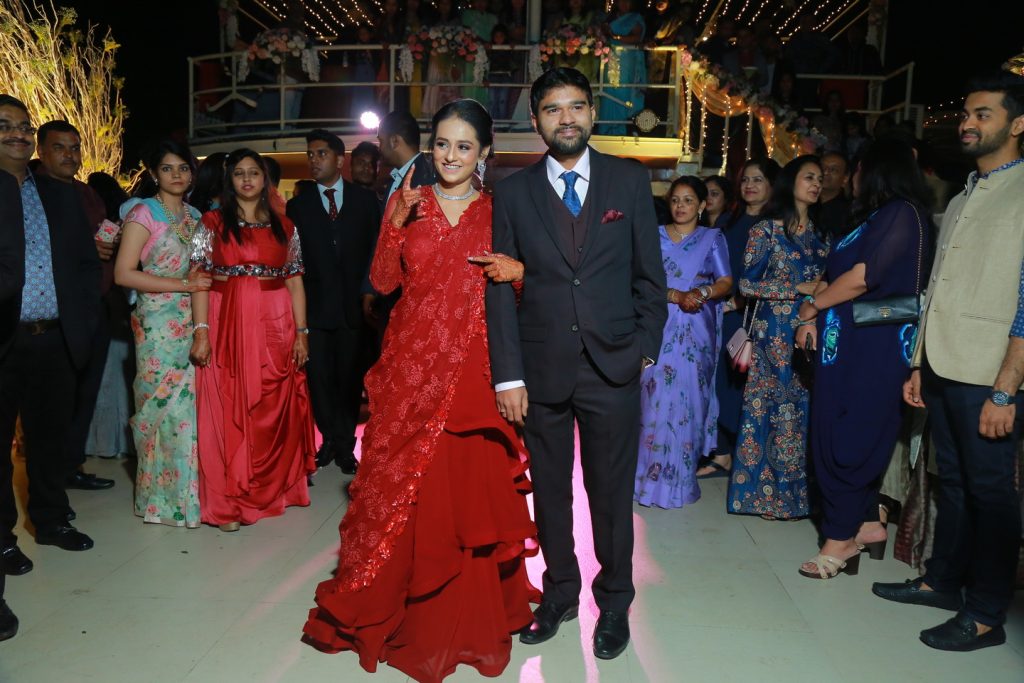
column 876, row 550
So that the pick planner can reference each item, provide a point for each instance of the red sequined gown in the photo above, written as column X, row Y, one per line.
column 253, row 416
column 432, row 570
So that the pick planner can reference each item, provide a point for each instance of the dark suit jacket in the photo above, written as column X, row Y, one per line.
column 76, row 269
column 12, row 258
column 423, row 171
column 613, row 301
column 336, row 254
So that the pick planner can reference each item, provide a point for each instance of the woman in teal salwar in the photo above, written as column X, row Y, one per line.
column 628, row 65
column 154, row 261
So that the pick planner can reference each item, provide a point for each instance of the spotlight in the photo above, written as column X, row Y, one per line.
column 369, row 120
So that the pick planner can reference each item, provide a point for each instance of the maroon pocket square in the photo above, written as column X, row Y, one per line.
column 612, row 215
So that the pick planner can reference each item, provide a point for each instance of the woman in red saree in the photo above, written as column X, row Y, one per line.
column 254, row 425
column 432, row 570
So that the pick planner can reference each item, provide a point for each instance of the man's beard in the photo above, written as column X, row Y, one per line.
column 568, row 148
column 987, row 145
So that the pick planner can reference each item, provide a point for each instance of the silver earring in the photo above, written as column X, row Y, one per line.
column 481, row 168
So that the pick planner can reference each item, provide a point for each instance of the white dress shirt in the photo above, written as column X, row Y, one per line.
column 339, row 194
column 555, row 170
column 582, row 167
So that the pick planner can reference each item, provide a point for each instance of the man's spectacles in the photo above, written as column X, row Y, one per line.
column 25, row 128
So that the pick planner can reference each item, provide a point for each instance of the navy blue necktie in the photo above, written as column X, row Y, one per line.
column 569, row 197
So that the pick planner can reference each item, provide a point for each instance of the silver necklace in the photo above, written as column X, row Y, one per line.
column 452, row 197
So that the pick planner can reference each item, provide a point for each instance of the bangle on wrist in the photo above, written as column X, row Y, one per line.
column 809, row 299
column 805, row 323
column 200, row 326
column 184, row 283
column 301, row 330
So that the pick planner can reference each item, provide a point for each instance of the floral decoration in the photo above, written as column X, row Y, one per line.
column 278, row 45
column 569, row 41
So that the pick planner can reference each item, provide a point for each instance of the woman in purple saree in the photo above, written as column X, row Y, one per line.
column 679, row 410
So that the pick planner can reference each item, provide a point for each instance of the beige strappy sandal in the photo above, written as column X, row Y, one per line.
column 829, row 567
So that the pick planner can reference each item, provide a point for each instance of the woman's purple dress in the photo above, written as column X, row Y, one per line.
column 679, row 410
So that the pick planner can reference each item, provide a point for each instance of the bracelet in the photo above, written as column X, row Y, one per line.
column 808, row 299
column 184, row 283
column 805, row 323
column 705, row 292
column 200, row 326
column 301, row 330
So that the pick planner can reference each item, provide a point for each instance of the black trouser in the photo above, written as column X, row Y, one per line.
column 609, row 424
column 88, row 390
column 337, row 363
column 978, row 526
column 37, row 381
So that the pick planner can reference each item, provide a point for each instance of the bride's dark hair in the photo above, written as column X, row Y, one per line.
column 470, row 111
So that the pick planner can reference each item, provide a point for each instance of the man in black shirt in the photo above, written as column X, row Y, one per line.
column 834, row 212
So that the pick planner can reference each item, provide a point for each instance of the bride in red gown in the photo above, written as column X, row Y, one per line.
column 432, row 570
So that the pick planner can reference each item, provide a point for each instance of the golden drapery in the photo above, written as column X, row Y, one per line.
column 702, row 86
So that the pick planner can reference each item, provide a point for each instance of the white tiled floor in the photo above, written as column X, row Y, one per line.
column 719, row 599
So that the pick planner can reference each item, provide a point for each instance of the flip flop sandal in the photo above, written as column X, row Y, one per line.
column 717, row 471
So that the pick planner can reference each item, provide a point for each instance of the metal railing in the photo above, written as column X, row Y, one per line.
column 270, row 103
column 885, row 94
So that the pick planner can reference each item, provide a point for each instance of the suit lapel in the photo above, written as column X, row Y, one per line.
column 540, row 191
column 597, row 194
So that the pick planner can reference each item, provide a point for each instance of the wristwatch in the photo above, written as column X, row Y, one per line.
column 1001, row 398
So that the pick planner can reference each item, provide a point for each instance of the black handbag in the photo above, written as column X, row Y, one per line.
column 892, row 310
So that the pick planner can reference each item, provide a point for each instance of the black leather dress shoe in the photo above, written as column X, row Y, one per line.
column 325, row 456
column 348, row 463
column 611, row 635
column 910, row 593
column 960, row 634
column 64, row 537
column 13, row 561
column 546, row 620
column 87, row 482
column 8, row 622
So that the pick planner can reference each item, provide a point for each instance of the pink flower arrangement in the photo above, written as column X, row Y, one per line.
column 568, row 40
column 456, row 41
column 279, row 45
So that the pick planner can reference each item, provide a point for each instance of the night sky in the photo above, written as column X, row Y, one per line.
column 156, row 41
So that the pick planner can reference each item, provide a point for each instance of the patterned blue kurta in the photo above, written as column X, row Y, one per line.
column 769, row 472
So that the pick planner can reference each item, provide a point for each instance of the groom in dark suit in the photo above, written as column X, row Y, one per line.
column 591, row 317
column 338, row 227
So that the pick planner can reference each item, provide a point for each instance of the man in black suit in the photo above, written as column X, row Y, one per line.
column 12, row 277
column 591, row 316
column 338, row 226
column 52, row 326
column 59, row 147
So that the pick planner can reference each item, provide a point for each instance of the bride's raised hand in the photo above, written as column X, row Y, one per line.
column 408, row 198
